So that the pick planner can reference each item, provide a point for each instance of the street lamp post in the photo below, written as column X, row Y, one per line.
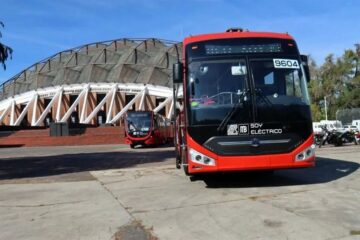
column 325, row 109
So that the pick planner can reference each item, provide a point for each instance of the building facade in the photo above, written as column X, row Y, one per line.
column 93, row 84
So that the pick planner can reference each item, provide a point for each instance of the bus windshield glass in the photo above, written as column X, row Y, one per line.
column 279, row 81
column 139, row 122
column 214, row 87
column 238, row 85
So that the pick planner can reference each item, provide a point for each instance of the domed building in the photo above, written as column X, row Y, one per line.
column 94, row 84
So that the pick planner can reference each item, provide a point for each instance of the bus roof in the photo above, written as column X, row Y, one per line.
column 243, row 34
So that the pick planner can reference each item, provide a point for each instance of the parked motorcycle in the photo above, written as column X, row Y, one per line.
column 337, row 138
column 347, row 137
column 357, row 137
column 318, row 138
column 325, row 137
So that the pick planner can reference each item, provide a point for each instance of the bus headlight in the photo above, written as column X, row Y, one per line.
column 200, row 158
column 307, row 153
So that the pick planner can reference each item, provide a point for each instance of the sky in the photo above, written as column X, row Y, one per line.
column 37, row 29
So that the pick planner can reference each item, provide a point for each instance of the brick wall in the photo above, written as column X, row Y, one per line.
column 41, row 137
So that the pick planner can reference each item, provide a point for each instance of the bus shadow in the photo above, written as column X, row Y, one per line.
column 326, row 170
column 165, row 145
column 11, row 145
column 45, row 166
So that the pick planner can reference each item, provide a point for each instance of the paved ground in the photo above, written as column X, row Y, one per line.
column 108, row 192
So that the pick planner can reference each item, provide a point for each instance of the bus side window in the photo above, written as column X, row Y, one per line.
column 293, row 87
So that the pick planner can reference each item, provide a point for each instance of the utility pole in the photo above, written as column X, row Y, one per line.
column 325, row 109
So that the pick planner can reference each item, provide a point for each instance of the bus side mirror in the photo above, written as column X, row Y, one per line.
column 304, row 62
column 177, row 72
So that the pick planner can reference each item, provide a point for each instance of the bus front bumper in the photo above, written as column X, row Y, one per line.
column 294, row 159
column 150, row 140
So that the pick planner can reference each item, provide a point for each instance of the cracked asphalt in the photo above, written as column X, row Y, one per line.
column 114, row 192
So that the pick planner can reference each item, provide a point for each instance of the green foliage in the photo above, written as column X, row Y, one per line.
column 316, row 112
column 338, row 80
column 5, row 51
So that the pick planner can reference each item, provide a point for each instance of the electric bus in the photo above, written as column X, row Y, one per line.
column 146, row 128
column 245, row 103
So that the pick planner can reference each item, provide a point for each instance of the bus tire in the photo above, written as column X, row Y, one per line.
column 132, row 146
column 186, row 170
column 178, row 161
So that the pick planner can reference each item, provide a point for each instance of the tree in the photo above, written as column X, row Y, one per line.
column 349, row 64
column 315, row 90
column 337, row 80
column 5, row 51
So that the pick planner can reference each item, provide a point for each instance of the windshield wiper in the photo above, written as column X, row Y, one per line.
column 134, row 127
column 263, row 97
column 235, row 108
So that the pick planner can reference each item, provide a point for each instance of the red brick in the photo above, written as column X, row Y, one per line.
column 41, row 137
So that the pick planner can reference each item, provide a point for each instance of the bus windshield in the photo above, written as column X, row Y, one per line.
column 138, row 122
column 279, row 84
column 216, row 87
column 217, row 83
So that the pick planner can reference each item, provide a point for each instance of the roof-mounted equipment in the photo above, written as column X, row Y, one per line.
column 235, row 30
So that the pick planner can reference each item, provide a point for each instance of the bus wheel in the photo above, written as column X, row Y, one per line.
column 186, row 170
column 132, row 145
column 178, row 161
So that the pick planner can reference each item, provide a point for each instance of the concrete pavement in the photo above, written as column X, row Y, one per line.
column 141, row 186
column 84, row 210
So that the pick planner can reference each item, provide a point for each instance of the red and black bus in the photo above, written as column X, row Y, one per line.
column 146, row 128
column 245, row 103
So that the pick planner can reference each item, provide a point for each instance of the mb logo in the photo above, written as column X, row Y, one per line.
column 237, row 129
column 243, row 128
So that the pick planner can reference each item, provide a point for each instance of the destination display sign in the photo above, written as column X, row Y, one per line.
column 212, row 49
